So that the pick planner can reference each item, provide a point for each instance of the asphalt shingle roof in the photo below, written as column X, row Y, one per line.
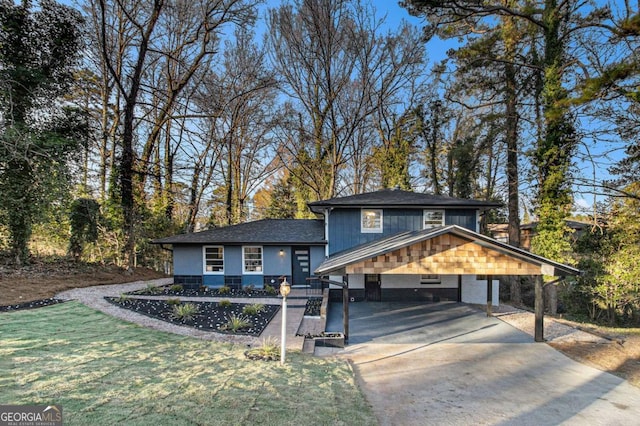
column 265, row 231
column 399, row 198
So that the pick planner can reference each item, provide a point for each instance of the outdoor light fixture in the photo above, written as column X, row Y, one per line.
column 281, row 252
column 285, row 289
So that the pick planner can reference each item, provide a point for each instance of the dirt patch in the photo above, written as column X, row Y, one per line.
column 620, row 356
column 43, row 280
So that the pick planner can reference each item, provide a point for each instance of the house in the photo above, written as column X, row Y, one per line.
column 500, row 231
column 383, row 245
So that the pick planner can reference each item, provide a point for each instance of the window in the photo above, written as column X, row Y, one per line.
column 433, row 218
column 430, row 279
column 252, row 259
column 371, row 221
column 214, row 259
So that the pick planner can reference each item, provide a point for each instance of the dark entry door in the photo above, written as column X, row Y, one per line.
column 372, row 288
column 300, row 264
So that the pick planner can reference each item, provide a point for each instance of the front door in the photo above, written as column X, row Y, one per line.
column 372, row 288
column 300, row 264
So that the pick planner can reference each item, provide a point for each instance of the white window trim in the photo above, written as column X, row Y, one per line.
column 424, row 214
column 371, row 230
column 204, row 261
column 244, row 270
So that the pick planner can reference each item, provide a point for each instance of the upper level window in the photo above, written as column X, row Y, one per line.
column 433, row 218
column 214, row 259
column 252, row 259
column 371, row 220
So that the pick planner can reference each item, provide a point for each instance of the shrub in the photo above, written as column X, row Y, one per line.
column 253, row 309
column 176, row 288
column 152, row 289
column 249, row 288
column 271, row 290
column 269, row 350
column 225, row 289
column 123, row 298
column 225, row 303
column 237, row 322
column 185, row 311
column 173, row 301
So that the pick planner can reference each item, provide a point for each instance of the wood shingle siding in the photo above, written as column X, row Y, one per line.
column 446, row 255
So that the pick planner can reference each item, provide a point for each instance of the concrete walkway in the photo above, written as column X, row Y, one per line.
column 448, row 364
column 94, row 298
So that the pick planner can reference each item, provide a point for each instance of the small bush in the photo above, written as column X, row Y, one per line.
column 271, row 290
column 123, row 298
column 253, row 309
column 225, row 289
column 176, row 288
column 269, row 350
column 249, row 288
column 225, row 303
column 185, row 312
column 152, row 289
column 173, row 301
column 236, row 323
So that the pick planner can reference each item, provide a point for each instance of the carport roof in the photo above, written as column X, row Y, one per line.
column 340, row 262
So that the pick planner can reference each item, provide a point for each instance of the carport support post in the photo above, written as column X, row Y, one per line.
column 345, row 308
column 539, row 310
column 489, row 294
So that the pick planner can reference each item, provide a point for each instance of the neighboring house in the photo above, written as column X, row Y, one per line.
column 500, row 231
column 387, row 245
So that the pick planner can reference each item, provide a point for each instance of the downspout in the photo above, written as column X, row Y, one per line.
column 327, row 212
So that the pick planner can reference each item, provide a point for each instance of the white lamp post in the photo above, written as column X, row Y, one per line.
column 285, row 289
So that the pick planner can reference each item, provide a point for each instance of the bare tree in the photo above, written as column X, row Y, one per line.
column 240, row 101
column 339, row 71
column 152, row 38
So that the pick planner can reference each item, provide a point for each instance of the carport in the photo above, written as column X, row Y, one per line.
column 448, row 250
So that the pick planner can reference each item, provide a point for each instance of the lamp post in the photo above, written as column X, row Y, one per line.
column 285, row 289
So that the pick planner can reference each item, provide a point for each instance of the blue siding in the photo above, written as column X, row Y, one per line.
column 317, row 257
column 345, row 233
column 273, row 263
column 187, row 260
column 344, row 226
column 232, row 260
column 461, row 217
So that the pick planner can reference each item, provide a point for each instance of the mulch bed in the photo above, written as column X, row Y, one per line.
column 211, row 316
column 203, row 292
column 31, row 305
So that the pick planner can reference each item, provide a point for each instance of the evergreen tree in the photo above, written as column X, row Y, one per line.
column 39, row 48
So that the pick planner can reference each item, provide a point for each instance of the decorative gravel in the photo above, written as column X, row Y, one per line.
column 31, row 305
column 312, row 309
column 210, row 317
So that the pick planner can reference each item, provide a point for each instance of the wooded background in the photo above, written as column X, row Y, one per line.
column 124, row 121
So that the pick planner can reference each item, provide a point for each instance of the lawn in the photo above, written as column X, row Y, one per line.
column 105, row 371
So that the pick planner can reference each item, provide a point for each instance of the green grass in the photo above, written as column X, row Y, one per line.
column 104, row 371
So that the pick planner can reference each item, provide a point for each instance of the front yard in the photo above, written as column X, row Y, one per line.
column 105, row 371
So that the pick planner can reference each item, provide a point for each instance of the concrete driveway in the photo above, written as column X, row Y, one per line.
column 448, row 364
